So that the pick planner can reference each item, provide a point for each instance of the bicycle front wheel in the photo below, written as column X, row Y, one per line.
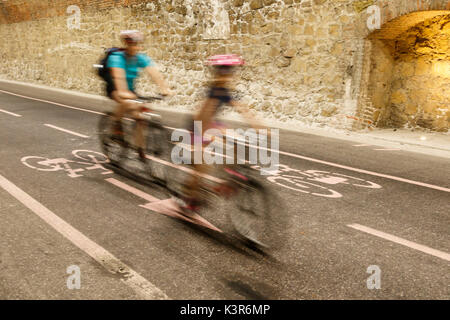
column 253, row 217
column 158, row 151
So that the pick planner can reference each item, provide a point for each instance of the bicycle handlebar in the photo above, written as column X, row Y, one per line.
column 141, row 99
column 151, row 98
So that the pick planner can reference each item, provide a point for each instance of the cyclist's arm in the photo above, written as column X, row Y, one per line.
column 159, row 80
column 119, row 78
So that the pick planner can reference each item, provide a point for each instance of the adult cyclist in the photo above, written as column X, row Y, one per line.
column 219, row 93
column 124, row 66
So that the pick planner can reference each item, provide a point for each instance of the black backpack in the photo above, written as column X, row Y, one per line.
column 102, row 71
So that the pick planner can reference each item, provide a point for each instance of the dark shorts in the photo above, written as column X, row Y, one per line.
column 221, row 94
column 110, row 87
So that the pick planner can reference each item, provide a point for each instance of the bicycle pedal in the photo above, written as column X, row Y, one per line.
column 118, row 138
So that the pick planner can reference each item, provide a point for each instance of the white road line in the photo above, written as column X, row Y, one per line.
column 10, row 113
column 141, row 194
column 386, row 176
column 139, row 284
column 51, row 102
column 362, row 145
column 407, row 243
column 67, row 131
column 386, row 149
column 132, row 190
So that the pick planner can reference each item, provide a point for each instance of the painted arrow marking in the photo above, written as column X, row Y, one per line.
column 170, row 208
column 167, row 207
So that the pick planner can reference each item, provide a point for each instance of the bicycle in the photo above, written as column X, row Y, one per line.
column 119, row 152
column 252, row 218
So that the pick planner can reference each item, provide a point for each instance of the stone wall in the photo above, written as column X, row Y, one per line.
column 305, row 58
column 380, row 83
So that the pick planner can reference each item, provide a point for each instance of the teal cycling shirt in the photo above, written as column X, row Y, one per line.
column 130, row 64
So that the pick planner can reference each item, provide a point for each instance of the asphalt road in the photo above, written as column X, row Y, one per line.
column 383, row 208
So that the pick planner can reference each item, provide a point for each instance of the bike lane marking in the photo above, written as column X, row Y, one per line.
column 404, row 242
column 426, row 185
column 167, row 207
column 63, row 164
column 65, row 130
column 372, row 173
column 131, row 278
column 10, row 113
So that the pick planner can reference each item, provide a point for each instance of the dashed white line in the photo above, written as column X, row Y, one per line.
column 67, row 131
column 407, row 243
column 362, row 145
column 139, row 284
column 10, row 113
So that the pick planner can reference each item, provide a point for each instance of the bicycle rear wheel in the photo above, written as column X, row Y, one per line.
column 113, row 149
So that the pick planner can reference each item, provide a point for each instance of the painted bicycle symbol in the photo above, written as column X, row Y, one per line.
column 307, row 181
column 91, row 160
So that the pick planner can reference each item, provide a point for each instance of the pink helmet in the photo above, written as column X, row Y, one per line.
column 225, row 60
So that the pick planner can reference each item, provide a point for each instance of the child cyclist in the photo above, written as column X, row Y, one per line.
column 219, row 93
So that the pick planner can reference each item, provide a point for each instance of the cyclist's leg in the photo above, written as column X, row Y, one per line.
column 124, row 106
column 191, row 188
column 190, row 199
column 118, row 113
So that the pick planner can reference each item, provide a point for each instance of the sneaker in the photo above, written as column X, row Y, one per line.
column 118, row 138
column 117, row 128
column 188, row 206
column 141, row 154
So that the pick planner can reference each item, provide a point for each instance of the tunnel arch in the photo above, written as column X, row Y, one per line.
column 406, row 12
column 395, row 64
